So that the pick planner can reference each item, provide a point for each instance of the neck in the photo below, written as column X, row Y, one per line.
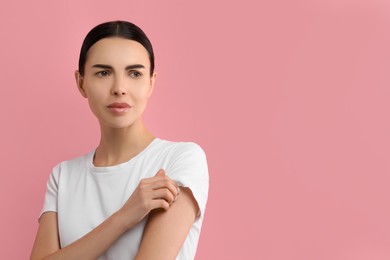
column 118, row 145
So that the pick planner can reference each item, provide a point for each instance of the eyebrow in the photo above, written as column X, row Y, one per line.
column 134, row 66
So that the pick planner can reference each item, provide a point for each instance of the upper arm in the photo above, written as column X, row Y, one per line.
column 166, row 231
column 46, row 240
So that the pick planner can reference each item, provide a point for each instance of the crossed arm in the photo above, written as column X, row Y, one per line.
column 162, row 239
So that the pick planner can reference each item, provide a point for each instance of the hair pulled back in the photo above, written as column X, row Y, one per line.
column 122, row 29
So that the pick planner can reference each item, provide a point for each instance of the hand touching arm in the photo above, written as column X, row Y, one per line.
column 166, row 231
column 158, row 192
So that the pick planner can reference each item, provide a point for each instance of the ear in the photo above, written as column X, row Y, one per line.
column 152, row 81
column 79, row 82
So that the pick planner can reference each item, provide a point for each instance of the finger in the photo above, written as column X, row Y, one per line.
column 160, row 180
column 164, row 194
column 159, row 203
column 165, row 183
column 160, row 172
column 160, row 175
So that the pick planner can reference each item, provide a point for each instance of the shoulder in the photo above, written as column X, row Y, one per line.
column 79, row 162
column 179, row 148
column 185, row 158
column 189, row 168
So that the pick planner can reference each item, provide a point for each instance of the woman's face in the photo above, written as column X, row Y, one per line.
column 117, row 81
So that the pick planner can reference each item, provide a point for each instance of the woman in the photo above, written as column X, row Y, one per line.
column 122, row 200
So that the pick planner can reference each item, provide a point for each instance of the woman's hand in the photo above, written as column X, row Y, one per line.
column 152, row 193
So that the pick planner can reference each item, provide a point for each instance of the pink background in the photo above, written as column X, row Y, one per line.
column 289, row 99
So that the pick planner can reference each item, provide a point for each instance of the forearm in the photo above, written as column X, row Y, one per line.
column 95, row 243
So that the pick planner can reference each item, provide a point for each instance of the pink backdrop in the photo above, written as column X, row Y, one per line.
column 289, row 99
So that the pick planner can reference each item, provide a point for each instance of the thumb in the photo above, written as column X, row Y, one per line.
column 160, row 172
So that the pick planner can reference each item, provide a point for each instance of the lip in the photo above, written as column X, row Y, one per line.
column 118, row 105
column 119, row 108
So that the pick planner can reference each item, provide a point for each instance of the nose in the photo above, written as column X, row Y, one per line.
column 119, row 92
column 118, row 88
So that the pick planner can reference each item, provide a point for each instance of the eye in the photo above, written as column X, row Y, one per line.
column 135, row 74
column 103, row 73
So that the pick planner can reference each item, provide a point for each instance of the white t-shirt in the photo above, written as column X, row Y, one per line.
column 84, row 195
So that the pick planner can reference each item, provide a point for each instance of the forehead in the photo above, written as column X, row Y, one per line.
column 117, row 52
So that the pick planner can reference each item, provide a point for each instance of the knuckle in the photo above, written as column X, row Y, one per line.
column 145, row 204
column 142, row 186
column 164, row 204
column 168, row 194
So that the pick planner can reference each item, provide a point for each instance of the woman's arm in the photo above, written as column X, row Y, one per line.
column 46, row 240
column 166, row 231
column 90, row 246
column 158, row 192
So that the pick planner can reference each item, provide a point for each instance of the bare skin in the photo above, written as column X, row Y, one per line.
column 123, row 136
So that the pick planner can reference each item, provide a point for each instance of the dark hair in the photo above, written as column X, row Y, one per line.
column 120, row 29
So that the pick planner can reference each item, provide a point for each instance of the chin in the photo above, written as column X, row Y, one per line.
column 118, row 124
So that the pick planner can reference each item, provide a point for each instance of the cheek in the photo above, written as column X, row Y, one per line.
column 140, row 92
column 95, row 95
column 140, row 98
column 93, row 101
column 96, row 88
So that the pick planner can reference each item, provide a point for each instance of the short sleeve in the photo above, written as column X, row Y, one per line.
column 189, row 169
column 50, row 203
